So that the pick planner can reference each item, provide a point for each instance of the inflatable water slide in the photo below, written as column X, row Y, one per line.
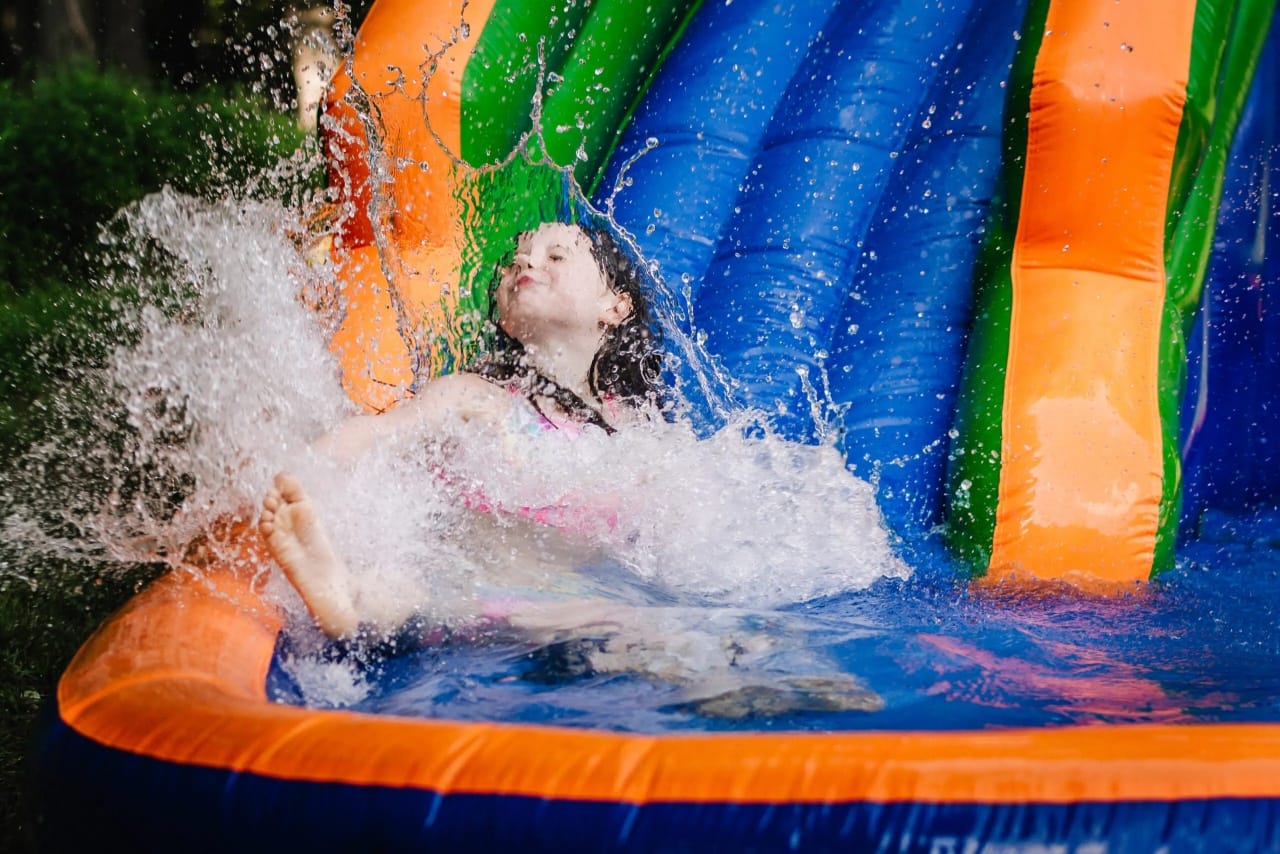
column 1013, row 258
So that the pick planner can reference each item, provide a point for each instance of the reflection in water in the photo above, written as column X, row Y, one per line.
column 1080, row 684
column 926, row 654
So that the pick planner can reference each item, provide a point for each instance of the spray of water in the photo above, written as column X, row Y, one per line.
column 747, row 522
column 220, row 370
column 222, row 377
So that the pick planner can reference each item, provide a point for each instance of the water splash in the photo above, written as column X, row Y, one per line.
column 221, row 376
column 220, row 368
column 226, row 377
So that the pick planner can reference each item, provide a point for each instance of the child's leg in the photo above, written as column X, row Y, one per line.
column 302, row 548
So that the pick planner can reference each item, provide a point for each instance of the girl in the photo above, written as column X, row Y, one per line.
column 576, row 352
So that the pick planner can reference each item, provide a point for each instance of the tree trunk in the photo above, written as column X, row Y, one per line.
column 123, row 44
column 64, row 32
column 17, row 36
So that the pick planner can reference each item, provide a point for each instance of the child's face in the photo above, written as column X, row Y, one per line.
column 554, row 285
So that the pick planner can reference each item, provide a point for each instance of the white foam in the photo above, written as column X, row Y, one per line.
column 230, row 381
column 228, row 374
column 739, row 521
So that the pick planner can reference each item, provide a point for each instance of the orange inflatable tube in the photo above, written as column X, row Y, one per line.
column 404, row 279
column 1082, row 477
column 179, row 676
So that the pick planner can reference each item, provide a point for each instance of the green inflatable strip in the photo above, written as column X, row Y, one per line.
column 608, row 69
column 1226, row 44
column 1218, row 87
column 1208, row 46
column 973, row 482
column 598, row 59
column 501, row 78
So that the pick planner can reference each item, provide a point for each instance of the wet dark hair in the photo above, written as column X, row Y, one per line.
column 628, row 365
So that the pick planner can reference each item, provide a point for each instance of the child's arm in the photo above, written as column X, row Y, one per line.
column 301, row 546
column 452, row 399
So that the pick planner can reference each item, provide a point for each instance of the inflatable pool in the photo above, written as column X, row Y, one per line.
column 975, row 240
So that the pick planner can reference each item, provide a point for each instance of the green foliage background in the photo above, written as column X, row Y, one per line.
column 78, row 145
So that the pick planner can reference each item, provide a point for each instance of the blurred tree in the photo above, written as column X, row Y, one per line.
column 44, row 33
column 189, row 43
column 63, row 31
column 122, row 39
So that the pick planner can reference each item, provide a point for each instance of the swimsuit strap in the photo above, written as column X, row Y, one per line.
column 536, row 384
column 569, row 401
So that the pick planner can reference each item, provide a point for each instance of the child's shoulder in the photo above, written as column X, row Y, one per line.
column 464, row 395
column 465, row 385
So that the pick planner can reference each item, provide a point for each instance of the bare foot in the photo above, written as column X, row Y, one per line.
column 301, row 547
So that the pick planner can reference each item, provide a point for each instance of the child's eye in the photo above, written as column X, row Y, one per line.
column 556, row 256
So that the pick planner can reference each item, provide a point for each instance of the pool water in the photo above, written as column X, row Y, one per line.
column 1198, row 645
